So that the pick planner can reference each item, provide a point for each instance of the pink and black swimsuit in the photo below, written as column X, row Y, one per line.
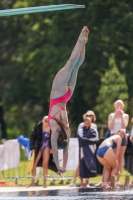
column 63, row 99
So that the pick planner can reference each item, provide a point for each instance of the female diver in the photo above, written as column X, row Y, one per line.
column 62, row 90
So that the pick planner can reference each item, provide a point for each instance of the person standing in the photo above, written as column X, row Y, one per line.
column 40, row 144
column 116, row 121
column 87, row 138
column 92, row 116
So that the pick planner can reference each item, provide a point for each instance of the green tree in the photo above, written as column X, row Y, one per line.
column 113, row 87
column 35, row 46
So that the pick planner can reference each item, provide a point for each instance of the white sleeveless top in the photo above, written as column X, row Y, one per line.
column 117, row 124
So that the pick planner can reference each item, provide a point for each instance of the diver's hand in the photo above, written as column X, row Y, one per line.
column 61, row 170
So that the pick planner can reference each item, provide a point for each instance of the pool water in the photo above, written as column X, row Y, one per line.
column 69, row 194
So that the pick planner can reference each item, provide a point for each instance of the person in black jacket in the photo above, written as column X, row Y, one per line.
column 40, row 144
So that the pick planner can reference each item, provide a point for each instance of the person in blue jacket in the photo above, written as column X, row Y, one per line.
column 87, row 138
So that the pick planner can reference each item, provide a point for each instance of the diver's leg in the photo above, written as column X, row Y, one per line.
column 60, row 83
column 73, row 78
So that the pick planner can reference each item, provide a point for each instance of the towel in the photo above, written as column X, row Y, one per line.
column 31, row 163
column 9, row 155
column 25, row 142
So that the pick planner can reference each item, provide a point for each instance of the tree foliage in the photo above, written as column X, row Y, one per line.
column 113, row 87
column 33, row 47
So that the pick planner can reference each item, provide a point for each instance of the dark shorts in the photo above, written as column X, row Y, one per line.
column 124, row 141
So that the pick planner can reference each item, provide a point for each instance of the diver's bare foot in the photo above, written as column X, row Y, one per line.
column 31, row 184
column 83, row 35
column 86, row 34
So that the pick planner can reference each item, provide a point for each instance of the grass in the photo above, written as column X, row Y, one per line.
column 22, row 172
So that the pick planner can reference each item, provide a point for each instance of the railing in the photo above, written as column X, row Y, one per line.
column 20, row 170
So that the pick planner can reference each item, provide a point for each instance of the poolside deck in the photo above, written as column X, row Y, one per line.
column 40, row 188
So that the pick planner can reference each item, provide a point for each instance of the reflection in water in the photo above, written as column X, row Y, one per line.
column 118, row 194
column 38, row 193
column 70, row 194
column 31, row 193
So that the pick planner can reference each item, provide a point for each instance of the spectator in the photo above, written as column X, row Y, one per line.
column 92, row 116
column 40, row 144
column 116, row 121
column 87, row 138
column 131, row 135
column 108, row 154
